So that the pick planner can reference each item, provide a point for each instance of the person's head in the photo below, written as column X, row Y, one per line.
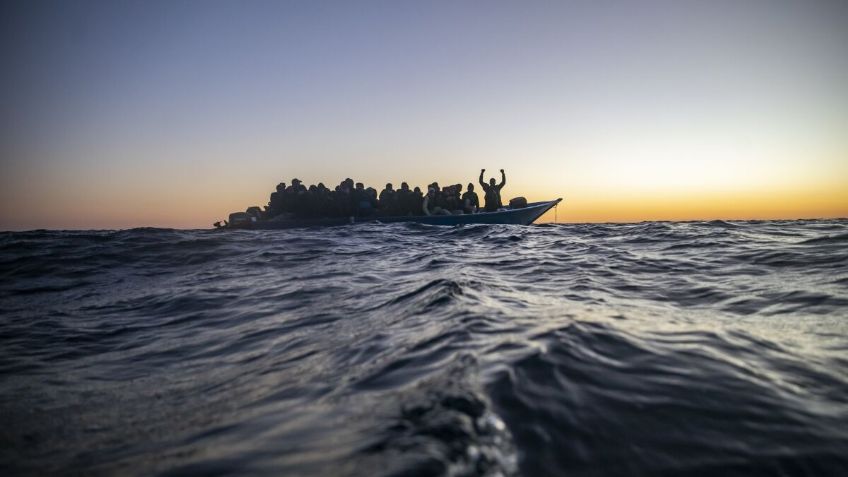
column 430, row 191
column 360, row 186
column 470, row 187
column 492, row 181
column 404, row 186
column 321, row 186
column 313, row 188
column 417, row 190
column 372, row 192
column 281, row 186
column 458, row 188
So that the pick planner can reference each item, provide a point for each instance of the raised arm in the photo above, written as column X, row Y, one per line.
column 425, row 204
column 483, row 184
column 503, row 179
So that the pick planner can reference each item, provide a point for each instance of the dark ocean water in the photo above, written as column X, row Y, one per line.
column 701, row 348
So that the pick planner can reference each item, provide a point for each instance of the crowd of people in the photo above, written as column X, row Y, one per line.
column 354, row 199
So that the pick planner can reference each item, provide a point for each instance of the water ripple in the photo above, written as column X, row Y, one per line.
column 406, row 349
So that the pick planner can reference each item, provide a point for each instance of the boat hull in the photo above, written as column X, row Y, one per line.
column 523, row 216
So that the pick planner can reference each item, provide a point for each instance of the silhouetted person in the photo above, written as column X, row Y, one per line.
column 387, row 193
column 344, row 200
column 403, row 200
column 416, row 199
column 312, row 202
column 457, row 191
column 440, row 196
column 493, row 191
column 452, row 199
column 295, row 197
column 371, row 193
column 470, row 201
column 297, row 186
column 429, row 205
column 361, row 200
column 321, row 201
column 388, row 200
column 277, row 202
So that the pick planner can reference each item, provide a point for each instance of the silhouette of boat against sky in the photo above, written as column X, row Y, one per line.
column 512, row 216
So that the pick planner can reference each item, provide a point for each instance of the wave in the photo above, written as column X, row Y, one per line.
column 397, row 349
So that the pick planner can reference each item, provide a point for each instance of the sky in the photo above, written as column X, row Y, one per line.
column 119, row 114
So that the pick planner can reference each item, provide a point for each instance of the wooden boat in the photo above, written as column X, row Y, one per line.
column 521, row 216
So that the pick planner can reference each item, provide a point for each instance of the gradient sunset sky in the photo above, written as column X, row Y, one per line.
column 120, row 114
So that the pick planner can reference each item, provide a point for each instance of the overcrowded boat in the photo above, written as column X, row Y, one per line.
column 350, row 203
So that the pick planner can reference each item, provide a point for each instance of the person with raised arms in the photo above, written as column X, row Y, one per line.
column 493, row 191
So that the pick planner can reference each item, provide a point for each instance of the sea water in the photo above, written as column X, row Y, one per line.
column 705, row 348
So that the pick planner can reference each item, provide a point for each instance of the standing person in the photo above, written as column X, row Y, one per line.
column 470, row 201
column 493, row 191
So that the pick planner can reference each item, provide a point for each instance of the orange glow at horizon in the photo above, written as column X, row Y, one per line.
column 169, row 205
column 778, row 205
